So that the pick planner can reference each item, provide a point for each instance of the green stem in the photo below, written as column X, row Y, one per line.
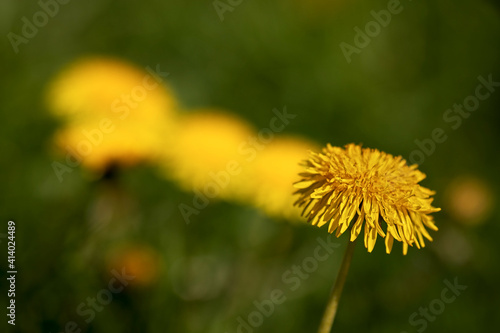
column 333, row 301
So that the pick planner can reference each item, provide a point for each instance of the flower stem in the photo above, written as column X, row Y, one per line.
column 333, row 301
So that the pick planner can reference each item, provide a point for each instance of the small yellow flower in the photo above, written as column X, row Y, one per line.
column 339, row 184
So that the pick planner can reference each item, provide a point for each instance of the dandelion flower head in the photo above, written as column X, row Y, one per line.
column 96, row 86
column 111, row 112
column 348, row 187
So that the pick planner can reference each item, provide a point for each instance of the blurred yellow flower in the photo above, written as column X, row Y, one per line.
column 338, row 184
column 113, row 112
column 207, row 152
column 270, row 178
column 98, row 86
column 469, row 200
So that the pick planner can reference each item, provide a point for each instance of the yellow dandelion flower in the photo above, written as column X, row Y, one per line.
column 124, row 144
column 339, row 184
column 97, row 86
column 270, row 178
column 207, row 151
column 113, row 112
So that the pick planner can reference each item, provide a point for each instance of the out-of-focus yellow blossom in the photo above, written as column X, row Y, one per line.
column 112, row 112
column 105, row 85
column 125, row 144
column 207, row 153
column 469, row 200
column 269, row 179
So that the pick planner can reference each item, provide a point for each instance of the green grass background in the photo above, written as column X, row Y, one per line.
column 263, row 55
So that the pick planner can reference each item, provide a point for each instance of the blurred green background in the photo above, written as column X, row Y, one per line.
column 264, row 54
